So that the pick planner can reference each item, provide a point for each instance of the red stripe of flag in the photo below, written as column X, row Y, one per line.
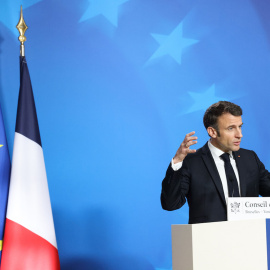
column 23, row 245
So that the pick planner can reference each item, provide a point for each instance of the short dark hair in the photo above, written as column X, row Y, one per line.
column 211, row 115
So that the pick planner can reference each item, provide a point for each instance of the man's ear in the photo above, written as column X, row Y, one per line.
column 212, row 132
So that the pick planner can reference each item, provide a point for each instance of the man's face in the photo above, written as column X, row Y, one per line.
column 230, row 133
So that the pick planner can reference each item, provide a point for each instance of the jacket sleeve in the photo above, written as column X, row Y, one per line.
column 175, row 187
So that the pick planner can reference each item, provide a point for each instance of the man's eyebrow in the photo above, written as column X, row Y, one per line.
column 236, row 125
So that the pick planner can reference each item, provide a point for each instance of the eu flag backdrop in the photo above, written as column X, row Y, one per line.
column 120, row 84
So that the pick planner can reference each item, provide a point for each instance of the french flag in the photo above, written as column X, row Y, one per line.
column 29, row 239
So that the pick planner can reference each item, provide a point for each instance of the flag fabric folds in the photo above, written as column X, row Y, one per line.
column 29, row 239
column 4, row 179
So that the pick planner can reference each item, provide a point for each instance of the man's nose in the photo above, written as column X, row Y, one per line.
column 239, row 133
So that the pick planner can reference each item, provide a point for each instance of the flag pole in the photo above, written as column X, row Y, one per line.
column 22, row 27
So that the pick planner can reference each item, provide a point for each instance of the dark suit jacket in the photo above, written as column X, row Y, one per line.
column 199, row 183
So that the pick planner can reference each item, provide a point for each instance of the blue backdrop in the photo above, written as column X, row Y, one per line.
column 118, row 84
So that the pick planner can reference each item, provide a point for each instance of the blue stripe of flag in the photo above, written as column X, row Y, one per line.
column 27, row 123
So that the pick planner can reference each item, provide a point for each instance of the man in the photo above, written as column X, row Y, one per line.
column 218, row 170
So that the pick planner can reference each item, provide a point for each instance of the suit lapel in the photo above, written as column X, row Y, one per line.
column 241, row 171
column 211, row 166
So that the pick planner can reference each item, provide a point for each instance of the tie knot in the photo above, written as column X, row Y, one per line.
column 225, row 157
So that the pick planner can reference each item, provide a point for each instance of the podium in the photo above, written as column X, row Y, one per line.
column 228, row 245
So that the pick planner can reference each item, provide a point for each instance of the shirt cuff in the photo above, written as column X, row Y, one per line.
column 176, row 166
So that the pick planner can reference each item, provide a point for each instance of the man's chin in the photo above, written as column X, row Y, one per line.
column 236, row 147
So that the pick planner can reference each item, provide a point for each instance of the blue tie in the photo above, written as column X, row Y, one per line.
column 231, row 178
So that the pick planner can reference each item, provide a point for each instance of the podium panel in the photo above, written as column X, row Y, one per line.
column 233, row 245
column 240, row 208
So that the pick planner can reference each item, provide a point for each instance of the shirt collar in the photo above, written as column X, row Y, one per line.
column 217, row 152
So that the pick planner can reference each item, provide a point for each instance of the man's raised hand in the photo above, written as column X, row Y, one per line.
column 184, row 149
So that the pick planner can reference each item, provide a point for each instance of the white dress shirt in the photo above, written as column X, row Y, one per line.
column 216, row 153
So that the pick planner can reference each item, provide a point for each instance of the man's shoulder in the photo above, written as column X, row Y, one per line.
column 246, row 155
column 205, row 150
column 244, row 151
